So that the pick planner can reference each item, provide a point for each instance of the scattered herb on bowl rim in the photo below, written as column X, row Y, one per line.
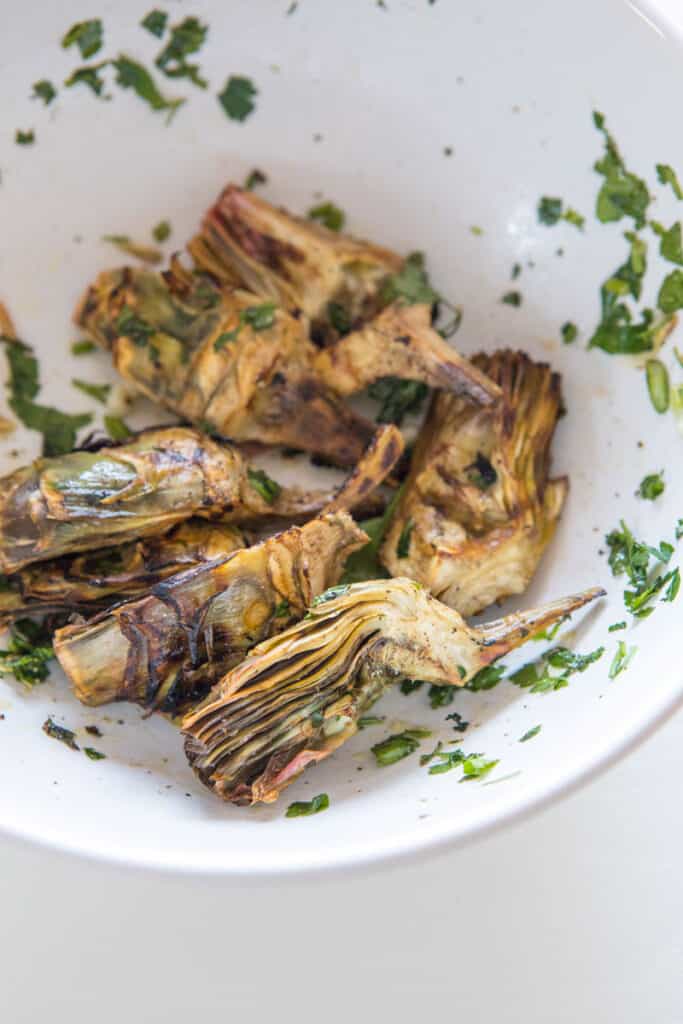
column 186, row 38
column 161, row 231
column 237, row 97
column 23, row 138
column 667, row 176
column 529, row 734
column 132, row 75
column 512, row 298
column 61, row 733
column 651, row 486
column 657, row 377
column 94, row 755
column 304, row 808
column 569, row 332
column 83, row 347
column 155, row 22
column 398, row 746
column 44, row 90
column 328, row 214
column 86, row 35
column 622, row 659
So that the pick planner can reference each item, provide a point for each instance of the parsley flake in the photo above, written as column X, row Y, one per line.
column 161, row 231
column 569, row 332
column 657, row 377
column 254, row 178
column 268, row 488
column 529, row 735
column 87, row 35
column 186, row 38
column 131, row 75
column 622, row 659
column 398, row 746
column 94, row 755
column 670, row 297
column 27, row 654
column 667, row 176
column 622, row 193
column 237, row 98
column 329, row 215
column 100, row 392
column 24, row 138
column 155, row 22
column 59, row 732
column 304, row 808
column 397, row 397
column 88, row 75
column 512, row 299
column 44, row 90
column 651, row 486
column 83, row 347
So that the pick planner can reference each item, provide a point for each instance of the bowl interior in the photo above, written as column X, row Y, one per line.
column 421, row 120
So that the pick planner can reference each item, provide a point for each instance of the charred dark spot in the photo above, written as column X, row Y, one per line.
column 402, row 339
column 390, row 455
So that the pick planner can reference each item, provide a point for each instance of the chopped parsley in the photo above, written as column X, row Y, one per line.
column 304, row 808
column 459, row 723
column 44, row 90
column 403, row 544
column 94, row 755
column 398, row 746
column 397, row 397
column 670, row 297
column 552, row 631
column 551, row 210
column 130, row 325
column 537, row 677
column 83, row 347
column 161, row 231
column 281, row 609
column 512, row 299
column 59, row 732
column 268, row 488
column 622, row 193
column 146, row 253
column 364, row 564
column 616, row 626
column 87, row 35
column 476, row 230
column 486, row 678
column 409, row 686
column 186, row 38
column 481, row 473
column 516, row 271
column 529, row 735
column 657, row 377
column 446, row 759
column 670, row 241
column 24, row 138
column 667, row 176
column 329, row 215
column 255, row 178
column 569, row 332
column 366, row 721
column 651, row 486
column 131, row 75
column 441, row 696
column 100, row 392
column 622, row 659
column 88, row 75
column 341, row 321
column 28, row 652
column 475, row 766
column 411, row 283
column 631, row 558
column 237, row 98
column 259, row 318
column 155, row 22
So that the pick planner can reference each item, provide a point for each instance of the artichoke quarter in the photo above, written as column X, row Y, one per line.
column 165, row 649
column 299, row 695
column 478, row 508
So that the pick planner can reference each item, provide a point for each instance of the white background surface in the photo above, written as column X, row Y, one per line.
column 575, row 915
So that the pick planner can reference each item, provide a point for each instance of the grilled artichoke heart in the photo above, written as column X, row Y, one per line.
column 90, row 499
column 478, row 508
column 244, row 240
column 96, row 579
column 298, row 696
column 168, row 647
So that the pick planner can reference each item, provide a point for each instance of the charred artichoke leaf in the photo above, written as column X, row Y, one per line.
column 94, row 580
column 299, row 695
column 478, row 508
column 400, row 342
column 168, row 647
column 296, row 262
column 228, row 361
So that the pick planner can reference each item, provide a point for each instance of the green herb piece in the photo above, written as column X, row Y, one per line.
column 329, row 215
column 486, row 678
column 562, row 657
column 481, row 473
column 670, row 296
column 117, row 429
column 268, row 488
column 237, row 98
column 161, row 231
column 671, row 243
column 574, row 217
column 617, row 626
column 366, row 721
column 411, row 283
column 476, row 230
column 459, row 723
column 281, row 610
column 94, row 755
column 512, row 299
column 403, row 545
column 87, row 35
column 304, row 808
column 28, row 652
column 569, row 332
column 24, row 138
column 340, row 320
column 651, row 486
column 397, row 397
column 446, row 759
column 398, row 746
column 516, row 271
column 100, row 392
column 130, row 325
column 529, row 735
column 409, row 686
column 330, row 594
column 259, row 318
column 667, row 176
column 83, row 347
column 364, row 564
column 537, row 677
column 551, row 633
column 58, row 732
column 441, row 696
column 255, row 178
column 155, row 22
column 146, row 253
column 622, row 659
column 549, row 210
column 186, row 38
column 657, row 377
column 672, row 590
column 131, row 75
column 631, row 557
column 88, row 75
column 44, row 90
column 679, row 529
column 477, row 767
column 24, row 381
column 622, row 193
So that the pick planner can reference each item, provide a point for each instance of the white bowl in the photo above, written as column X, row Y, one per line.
column 358, row 103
